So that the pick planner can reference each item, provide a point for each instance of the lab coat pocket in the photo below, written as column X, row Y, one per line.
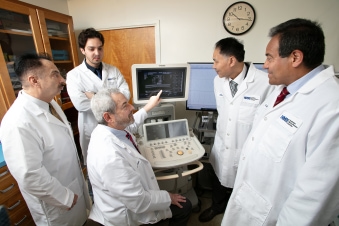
column 278, row 136
column 246, row 113
column 255, row 206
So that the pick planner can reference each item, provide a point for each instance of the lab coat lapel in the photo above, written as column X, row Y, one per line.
column 129, row 149
column 60, row 113
column 93, row 77
column 104, row 72
column 244, row 85
column 308, row 87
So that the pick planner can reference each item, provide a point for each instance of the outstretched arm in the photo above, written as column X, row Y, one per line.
column 153, row 101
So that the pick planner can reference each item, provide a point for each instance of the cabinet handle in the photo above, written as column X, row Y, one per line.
column 21, row 220
column 7, row 189
column 4, row 173
column 15, row 205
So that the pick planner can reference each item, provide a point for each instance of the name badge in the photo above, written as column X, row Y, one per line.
column 289, row 121
column 251, row 99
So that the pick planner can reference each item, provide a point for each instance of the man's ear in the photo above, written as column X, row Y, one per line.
column 297, row 58
column 33, row 80
column 109, row 118
column 231, row 61
column 82, row 51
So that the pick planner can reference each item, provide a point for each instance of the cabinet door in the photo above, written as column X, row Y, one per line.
column 59, row 41
column 19, row 34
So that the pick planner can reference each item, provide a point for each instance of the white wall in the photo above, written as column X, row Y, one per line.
column 60, row 6
column 190, row 28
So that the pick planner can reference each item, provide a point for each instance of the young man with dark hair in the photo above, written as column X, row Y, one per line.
column 87, row 78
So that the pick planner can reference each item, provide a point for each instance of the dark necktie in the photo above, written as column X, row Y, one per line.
column 281, row 96
column 54, row 112
column 131, row 139
column 233, row 87
column 98, row 72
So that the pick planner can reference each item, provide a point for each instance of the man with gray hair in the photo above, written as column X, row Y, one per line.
column 125, row 188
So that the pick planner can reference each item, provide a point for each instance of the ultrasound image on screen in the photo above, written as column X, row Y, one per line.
column 170, row 81
column 168, row 130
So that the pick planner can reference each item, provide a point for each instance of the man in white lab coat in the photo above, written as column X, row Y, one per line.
column 288, row 171
column 235, row 117
column 87, row 78
column 39, row 148
column 125, row 188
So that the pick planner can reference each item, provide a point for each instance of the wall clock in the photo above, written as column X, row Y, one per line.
column 239, row 18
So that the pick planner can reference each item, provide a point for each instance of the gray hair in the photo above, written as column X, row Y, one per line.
column 102, row 102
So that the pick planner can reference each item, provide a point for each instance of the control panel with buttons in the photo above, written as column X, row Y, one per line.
column 169, row 144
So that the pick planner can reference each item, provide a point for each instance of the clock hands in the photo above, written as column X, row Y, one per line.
column 236, row 16
column 241, row 18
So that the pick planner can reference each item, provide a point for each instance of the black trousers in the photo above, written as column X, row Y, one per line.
column 180, row 216
column 220, row 194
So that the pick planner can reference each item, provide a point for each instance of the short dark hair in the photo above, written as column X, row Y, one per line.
column 29, row 62
column 89, row 33
column 304, row 35
column 231, row 47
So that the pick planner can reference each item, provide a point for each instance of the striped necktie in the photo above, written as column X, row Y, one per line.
column 284, row 92
column 129, row 136
column 54, row 112
column 233, row 87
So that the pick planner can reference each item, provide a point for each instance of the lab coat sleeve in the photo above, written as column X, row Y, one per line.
column 76, row 92
column 315, row 197
column 25, row 161
column 125, row 184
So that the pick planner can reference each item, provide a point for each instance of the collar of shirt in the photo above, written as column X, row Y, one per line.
column 240, row 77
column 121, row 135
column 296, row 85
column 93, row 68
column 42, row 104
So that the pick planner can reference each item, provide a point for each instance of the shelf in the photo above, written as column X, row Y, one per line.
column 67, row 105
column 58, row 38
column 17, row 32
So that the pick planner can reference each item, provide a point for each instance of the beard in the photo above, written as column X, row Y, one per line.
column 126, row 121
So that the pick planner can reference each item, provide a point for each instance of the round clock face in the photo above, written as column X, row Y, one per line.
column 239, row 18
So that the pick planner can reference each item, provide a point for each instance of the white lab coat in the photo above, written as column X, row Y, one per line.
column 235, row 117
column 125, row 188
column 41, row 155
column 81, row 80
column 289, row 168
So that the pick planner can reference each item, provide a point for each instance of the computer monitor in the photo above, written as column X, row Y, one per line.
column 260, row 66
column 201, row 90
column 149, row 79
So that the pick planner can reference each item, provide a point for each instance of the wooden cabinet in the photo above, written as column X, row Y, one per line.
column 26, row 28
column 12, row 199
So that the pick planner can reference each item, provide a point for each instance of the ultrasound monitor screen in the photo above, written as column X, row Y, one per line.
column 148, row 81
column 171, row 129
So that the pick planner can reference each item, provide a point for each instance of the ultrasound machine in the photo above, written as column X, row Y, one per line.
column 168, row 143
